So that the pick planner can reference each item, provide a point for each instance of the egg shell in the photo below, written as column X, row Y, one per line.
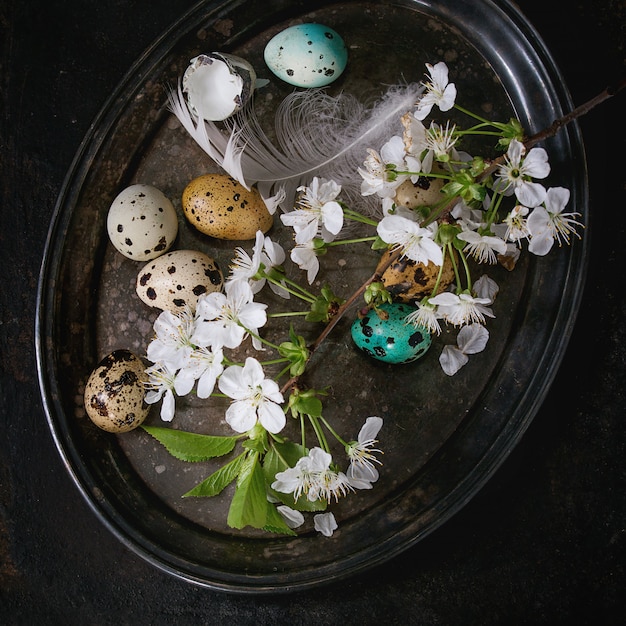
column 221, row 207
column 409, row 281
column 115, row 391
column 177, row 279
column 390, row 340
column 307, row 55
column 142, row 222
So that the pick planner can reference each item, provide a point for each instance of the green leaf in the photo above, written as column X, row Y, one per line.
column 219, row 480
column 276, row 522
column 191, row 447
column 249, row 504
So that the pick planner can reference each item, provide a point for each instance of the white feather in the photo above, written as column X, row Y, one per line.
column 316, row 135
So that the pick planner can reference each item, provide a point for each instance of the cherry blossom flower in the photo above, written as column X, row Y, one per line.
column 470, row 340
column 362, row 472
column 439, row 91
column 172, row 344
column 266, row 255
column 160, row 386
column 547, row 223
column 379, row 175
column 319, row 213
column 305, row 257
column 416, row 242
column 484, row 248
column 300, row 479
column 203, row 366
column 325, row 523
column 461, row 309
column 515, row 175
column 425, row 316
column 255, row 398
column 224, row 320
column 516, row 224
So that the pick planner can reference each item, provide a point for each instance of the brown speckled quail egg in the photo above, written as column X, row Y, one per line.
column 408, row 281
column 142, row 222
column 221, row 207
column 177, row 279
column 115, row 391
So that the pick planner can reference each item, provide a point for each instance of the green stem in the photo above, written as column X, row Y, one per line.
column 474, row 115
column 288, row 314
column 334, row 432
column 307, row 297
column 358, row 217
column 341, row 242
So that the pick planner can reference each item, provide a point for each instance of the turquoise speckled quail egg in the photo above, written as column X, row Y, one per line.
column 177, row 279
column 307, row 55
column 217, row 85
column 142, row 222
column 115, row 391
column 388, row 337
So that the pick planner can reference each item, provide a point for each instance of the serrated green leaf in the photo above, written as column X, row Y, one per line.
column 191, row 447
column 249, row 504
column 219, row 480
column 276, row 522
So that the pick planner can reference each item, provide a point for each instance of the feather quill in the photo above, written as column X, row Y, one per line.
column 316, row 135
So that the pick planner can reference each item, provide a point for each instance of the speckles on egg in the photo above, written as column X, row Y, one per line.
column 387, row 337
column 408, row 281
column 307, row 55
column 142, row 222
column 177, row 279
column 221, row 207
column 115, row 391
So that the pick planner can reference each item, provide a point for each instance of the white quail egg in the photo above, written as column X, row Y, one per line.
column 142, row 222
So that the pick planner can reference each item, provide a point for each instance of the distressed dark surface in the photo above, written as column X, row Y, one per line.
column 542, row 543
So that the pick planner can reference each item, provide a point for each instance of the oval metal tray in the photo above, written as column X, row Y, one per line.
column 443, row 437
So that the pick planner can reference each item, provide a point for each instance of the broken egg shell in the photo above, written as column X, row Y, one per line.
column 142, row 222
column 388, row 337
column 177, row 279
column 307, row 55
column 115, row 391
column 217, row 85
column 409, row 281
column 221, row 207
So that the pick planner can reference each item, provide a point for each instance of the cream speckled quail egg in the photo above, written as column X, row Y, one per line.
column 115, row 391
column 142, row 222
column 218, row 85
column 425, row 192
column 177, row 279
column 221, row 207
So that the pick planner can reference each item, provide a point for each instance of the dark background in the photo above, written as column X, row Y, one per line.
column 542, row 543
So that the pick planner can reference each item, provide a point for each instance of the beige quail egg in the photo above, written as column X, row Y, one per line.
column 142, row 222
column 115, row 391
column 221, row 207
column 425, row 192
column 177, row 279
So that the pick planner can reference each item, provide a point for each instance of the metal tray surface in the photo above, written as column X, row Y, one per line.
column 443, row 436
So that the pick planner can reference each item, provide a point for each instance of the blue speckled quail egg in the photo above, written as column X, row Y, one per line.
column 388, row 337
column 115, row 391
column 217, row 85
column 307, row 55
column 142, row 222
column 177, row 279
